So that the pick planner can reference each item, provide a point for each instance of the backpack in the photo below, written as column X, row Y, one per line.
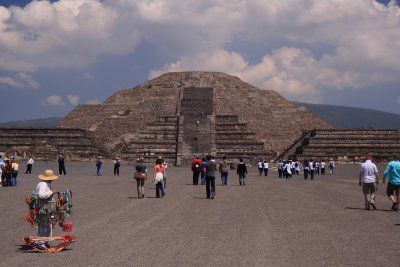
column 196, row 167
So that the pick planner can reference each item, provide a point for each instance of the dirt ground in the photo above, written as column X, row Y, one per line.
column 268, row 222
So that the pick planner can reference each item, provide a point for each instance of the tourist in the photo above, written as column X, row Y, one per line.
column 260, row 167
column 331, row 167
column 241, row 171
column 297, row 167
column 305, row 168
column 292, row 167
column 311, row 169
column 140, row 176
column 29, row 165
column 158, row 178
column 284, row 167
column 368, row 176
column 280, row 168
column 61, row 165
column 117, row 164
column 265, row 166
column 203, row 171
column 210, row 167
column 316, row 167
column 196, row 168
column 2, row 182
column 288, row 169
column 99, row 162
column 322, row 167
column 14, row 172
column 393, row 170
column 224, row 167
column 164, row 172
column 7, row 170
column 45, row 194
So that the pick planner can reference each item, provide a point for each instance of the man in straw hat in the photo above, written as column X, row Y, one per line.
column 45, row 194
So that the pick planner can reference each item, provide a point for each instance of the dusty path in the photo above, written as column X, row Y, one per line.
column 269, row 222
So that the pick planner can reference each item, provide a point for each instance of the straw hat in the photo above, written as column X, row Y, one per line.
column 48, row 175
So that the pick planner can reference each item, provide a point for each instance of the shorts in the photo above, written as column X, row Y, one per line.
column 391, row 188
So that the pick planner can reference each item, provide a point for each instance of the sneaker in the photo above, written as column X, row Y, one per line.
column 162, row 194
column 373, row 205
column 394, row 207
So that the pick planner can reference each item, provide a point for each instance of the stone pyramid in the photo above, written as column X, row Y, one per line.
column 177, row 115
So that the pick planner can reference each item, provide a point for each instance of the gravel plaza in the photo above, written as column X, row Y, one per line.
column 268, row 222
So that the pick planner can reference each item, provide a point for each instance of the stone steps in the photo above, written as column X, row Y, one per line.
column 349, row 143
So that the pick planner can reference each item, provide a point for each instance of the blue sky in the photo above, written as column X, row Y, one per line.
column 55, row 55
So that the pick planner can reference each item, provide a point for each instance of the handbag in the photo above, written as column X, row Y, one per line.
column 139, row 175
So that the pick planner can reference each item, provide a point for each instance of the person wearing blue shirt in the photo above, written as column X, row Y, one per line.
column 393, row 170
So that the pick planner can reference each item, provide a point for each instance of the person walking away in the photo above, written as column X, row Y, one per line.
column 164, row 173
column 203, row 171
column 393, row 170
column 210, row 168
column 241, row 171
column 297, row 167
column 45, row 194
column 99, row 162
column 288, row 170
column 140, row 176
column 7, row 170
column 316, row 167
column 14, row 172
column 260, row 167
column 305, row 167
column 29, row 165
column 331, row 167
column 2, row 177
column 280, row 169
column 158, row 178
column 322, row 167
column 224, row 167
column 196, row 168
column 61, row 165
column 117, row 164
column 311, row 168
column 265, row 166
column 368, row 176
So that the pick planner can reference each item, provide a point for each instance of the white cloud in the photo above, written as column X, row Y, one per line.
column 62, row 34
column 20, row 80
column 53, row 100
column 73, row 99
column 302, row 47
column 94, row 101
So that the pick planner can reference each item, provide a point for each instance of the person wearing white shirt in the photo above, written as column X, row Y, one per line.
column 260, row 167
column 322, row 167
column 29, row 165
column 44, row 193
column 265, row 166
column 368, row 176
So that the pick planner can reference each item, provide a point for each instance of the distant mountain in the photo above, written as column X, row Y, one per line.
column 337, row 116
column 350, row 117
column 32, row 124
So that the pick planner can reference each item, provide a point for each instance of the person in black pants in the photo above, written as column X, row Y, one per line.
column 210, row 167
column 61, row 165
column 117, row 164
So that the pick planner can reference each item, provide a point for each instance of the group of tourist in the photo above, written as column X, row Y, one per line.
column 369, row 180
column 286, row 169
column 8, row 171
